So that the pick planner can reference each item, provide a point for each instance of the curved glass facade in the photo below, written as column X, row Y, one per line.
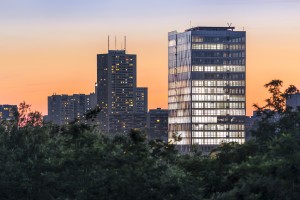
column 207, row 67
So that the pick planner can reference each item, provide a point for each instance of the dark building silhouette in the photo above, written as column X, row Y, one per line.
column 63, row 109
column 293, row 101
column 157, row 124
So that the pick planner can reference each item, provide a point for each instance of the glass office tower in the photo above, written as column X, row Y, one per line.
column 207, row 88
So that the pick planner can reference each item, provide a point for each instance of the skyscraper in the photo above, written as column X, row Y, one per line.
column 117, row 92
column 207, row 86
column 116, row 78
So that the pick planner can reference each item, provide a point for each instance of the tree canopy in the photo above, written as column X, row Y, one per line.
column 78, row 162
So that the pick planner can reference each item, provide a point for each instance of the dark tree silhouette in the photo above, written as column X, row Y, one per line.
column 276, row 102
column 25, row 117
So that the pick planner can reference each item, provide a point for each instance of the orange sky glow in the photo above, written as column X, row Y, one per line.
column 42, row 55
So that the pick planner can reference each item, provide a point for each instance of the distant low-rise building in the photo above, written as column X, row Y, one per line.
column 63, row 109
column 157, row 124
column 252, row 122
column 7, row 112
column 293, row 101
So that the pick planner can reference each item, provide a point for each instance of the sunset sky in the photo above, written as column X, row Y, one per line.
column 49, row 46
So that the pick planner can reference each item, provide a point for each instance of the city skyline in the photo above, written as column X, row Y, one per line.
column 51, row 46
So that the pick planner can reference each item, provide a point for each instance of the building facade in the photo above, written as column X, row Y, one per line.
column 64, row 109
column 293, row 101
column 141, row 100
column 7, row 112
column 207, row 86
column 123, row 122
column 120, row 100
column 157, row 124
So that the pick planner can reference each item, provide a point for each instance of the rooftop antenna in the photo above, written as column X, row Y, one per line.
column 243, row 28
column 108, row 43
column 125, row 43
column 229, row 24
column 115, row 42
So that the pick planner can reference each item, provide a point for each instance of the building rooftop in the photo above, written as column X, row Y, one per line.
column 117, row 51
column 210, row 28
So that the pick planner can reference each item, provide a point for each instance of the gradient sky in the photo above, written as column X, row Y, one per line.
column 49, row 46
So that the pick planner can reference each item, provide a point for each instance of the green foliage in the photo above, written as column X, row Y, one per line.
column 78, row 162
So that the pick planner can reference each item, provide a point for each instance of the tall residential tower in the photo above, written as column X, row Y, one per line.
column 207, row 86
column 123, row 105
